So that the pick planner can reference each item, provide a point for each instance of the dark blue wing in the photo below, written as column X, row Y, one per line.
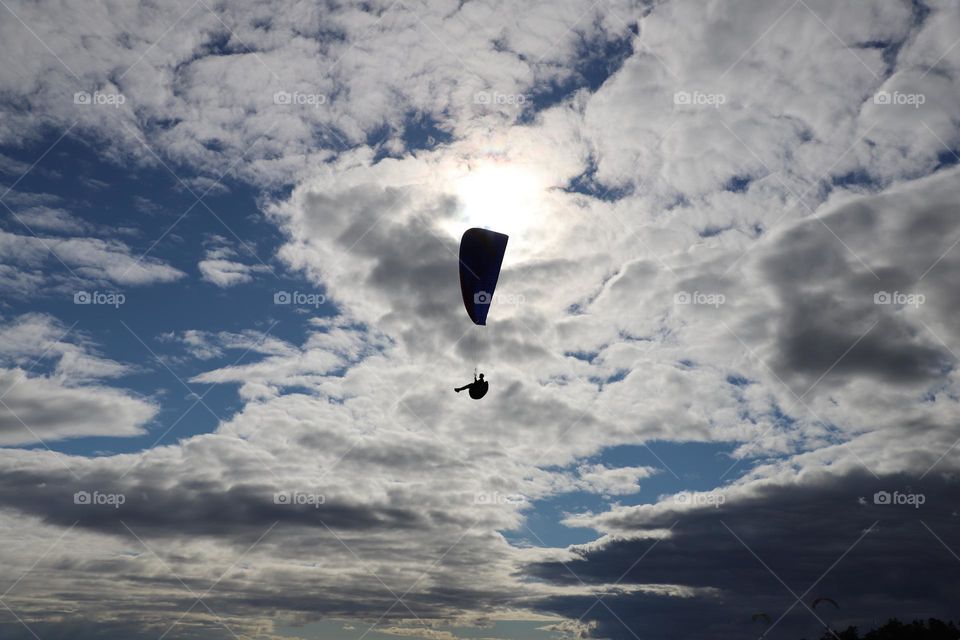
column 481, row 254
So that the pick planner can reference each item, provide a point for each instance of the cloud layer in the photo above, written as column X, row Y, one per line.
column 732, row 223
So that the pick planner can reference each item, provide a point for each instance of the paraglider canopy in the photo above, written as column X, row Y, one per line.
column 823, row 599
column 761, row 617
column 481, row 255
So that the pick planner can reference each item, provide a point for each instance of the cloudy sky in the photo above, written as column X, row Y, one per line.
column 722, row 359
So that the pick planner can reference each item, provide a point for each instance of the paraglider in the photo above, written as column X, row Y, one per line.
column 478, row 388
column 761, row 617
column 481, row 255
column 820, row 600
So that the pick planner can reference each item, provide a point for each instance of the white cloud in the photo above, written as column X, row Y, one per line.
column 39, row 409
column 44, row 402
column 48, row 219
column 220, row 268
column 598, row 478
column 87, row 260
column 33, row 338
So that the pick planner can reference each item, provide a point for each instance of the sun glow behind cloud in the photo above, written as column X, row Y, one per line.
column 502, row 196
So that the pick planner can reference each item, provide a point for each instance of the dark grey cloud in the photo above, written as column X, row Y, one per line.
column 838, row 280
column 190, row 508
column 899, row 568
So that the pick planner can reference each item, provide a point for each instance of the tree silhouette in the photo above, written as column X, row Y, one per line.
column 893, row 629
